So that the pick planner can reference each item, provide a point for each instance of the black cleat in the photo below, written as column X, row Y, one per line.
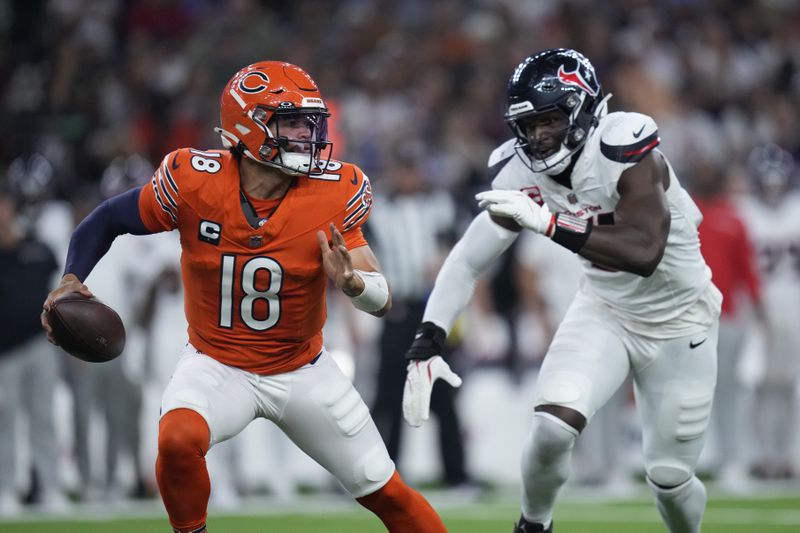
column 523, row 526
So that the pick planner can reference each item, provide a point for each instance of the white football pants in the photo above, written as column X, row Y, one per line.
column 590, row 358
column 316, row 406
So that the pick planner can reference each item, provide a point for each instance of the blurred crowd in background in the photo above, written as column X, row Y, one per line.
column 93, row 93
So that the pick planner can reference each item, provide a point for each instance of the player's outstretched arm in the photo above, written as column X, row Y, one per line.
column 91, row 240
column 484, row 241
column 356, row 272
column 634, row 243
column 93, row 237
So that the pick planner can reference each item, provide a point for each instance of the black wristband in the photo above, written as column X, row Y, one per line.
column 428, row 341
column 571, row 232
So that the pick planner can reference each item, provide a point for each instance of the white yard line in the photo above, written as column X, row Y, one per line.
column 635, row 515
column 600, row 511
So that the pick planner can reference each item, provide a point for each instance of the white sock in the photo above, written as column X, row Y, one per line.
column 546, row 462
column 681, row 507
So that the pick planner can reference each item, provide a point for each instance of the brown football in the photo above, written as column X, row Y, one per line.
column 87, row 328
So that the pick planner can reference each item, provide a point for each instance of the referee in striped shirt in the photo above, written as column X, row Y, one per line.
column 411, row 233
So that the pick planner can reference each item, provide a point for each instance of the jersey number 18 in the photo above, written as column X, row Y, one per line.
column 251, row 294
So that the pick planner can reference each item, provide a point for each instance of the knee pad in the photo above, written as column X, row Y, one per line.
column 550, row 436
column 370, row 473
column 668, row 473
column 183, row 432
column 568, row 389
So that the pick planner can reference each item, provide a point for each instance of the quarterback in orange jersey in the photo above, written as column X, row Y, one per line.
column 253, row 276
column 263, row 225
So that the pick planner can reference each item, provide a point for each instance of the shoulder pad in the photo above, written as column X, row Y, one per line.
column 189, row 168
column 628, row 137
column 500, row 156
column 502, row 152
column 168, row 173
column 354, row 176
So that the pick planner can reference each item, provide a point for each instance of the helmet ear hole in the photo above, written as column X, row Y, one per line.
column 575, row 137
column 572, row 101
column 259, row 114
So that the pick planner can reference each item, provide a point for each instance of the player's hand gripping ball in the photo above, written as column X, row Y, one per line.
column 86, row 328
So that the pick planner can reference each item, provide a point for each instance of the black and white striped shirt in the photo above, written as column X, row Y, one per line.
column 406, row 233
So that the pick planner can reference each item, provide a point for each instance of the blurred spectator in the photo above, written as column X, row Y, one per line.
column 726, row 246
column 33, row 180
column 113, row 74
column 28, row 365
column 773, row 216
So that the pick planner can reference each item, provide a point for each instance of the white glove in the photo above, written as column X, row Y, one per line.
column 518, row 206
column 422, row 374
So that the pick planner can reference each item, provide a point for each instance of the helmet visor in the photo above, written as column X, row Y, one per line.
column 299, row 137
column 300, row 131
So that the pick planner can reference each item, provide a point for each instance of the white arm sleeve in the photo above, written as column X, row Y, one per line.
column 482, row 243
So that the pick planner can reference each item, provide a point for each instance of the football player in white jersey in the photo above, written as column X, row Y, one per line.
column 593, row 182
column 772, row 217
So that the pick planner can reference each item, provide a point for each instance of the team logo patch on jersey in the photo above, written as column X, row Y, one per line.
column 358, row 206
column 209, row 232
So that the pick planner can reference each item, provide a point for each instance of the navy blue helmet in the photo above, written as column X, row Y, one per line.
column 557, row 79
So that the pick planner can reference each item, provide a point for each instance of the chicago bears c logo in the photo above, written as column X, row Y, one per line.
column 248, row 84
column 575, row 78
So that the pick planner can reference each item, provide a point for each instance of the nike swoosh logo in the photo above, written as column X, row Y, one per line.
column 637, row 133
column 354, row 180
column 175, row 164
column 693, row 345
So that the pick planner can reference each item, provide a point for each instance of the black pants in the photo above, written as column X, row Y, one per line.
column 398, row 333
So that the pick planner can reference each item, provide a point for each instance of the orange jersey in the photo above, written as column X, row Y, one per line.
column 254, row 298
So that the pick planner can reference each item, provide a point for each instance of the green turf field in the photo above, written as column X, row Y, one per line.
column 724, row 515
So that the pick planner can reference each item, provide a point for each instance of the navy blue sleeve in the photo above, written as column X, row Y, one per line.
column 93, row 237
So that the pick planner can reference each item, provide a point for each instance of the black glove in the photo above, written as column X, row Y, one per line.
column 428, row 341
